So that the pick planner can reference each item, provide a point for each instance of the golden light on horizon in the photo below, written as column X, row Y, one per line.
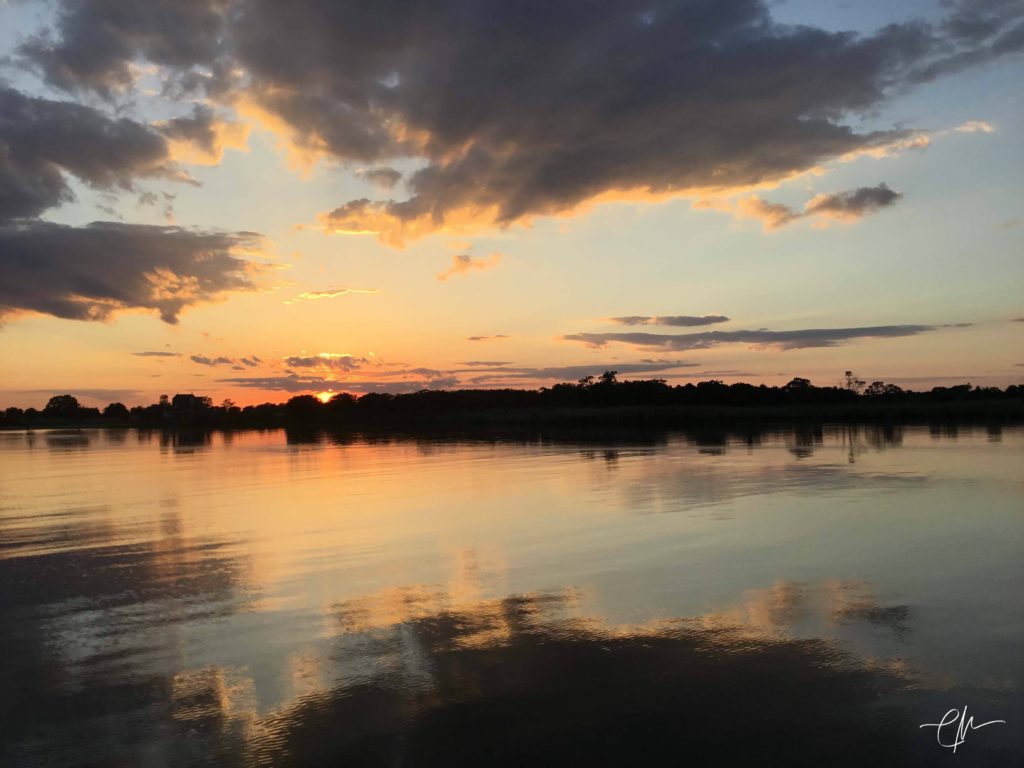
column 323, row 397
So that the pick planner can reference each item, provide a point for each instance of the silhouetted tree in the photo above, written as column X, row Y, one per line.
column 341, row 404
column 303, row 407
column 116, row 411
column 63, row 406
column 881, row 389
column 851, row 383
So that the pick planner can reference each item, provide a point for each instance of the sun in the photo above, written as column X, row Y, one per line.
column 323, row 397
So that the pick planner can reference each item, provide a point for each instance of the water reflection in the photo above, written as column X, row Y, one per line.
column 521, row 681
column 514, row 681
column 788, row 597
column 88, row 635
column 185, row 440
column 67, row 439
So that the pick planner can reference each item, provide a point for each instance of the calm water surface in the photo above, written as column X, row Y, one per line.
column 787, row 598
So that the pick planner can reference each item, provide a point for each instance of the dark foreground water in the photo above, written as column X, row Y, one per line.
column 791, row 598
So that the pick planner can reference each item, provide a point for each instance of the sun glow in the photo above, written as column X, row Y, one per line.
column 323, row 397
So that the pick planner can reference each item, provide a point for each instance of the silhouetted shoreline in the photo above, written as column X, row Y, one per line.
column 601, row 404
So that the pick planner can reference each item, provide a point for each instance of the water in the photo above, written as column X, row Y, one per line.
column 259, row 598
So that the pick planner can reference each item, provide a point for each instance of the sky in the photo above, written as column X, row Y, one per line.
column 250, row 199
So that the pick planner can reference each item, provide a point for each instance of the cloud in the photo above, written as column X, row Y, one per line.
column 463, row 263
column 846, row 206
column 704, row 97
column 484, row 373
column 486, row 338
column 771, row 215
column 97, row 43
column 238, row 364
column 852, row 205
column 574, row 372
column 327, row 361
column 513, row 111
column 799, row 339
column 202, row 137
column 95, row 271
column 975, row 126
column 211, row 361
column 288, row 383
column 100, row 396
column 157, row 354
column 41, row 141
column 382, row 178
column 330, row 293
column 670, row 320
column 296, row 383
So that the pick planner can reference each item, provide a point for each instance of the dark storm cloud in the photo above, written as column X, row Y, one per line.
column 670, row 320
column 157, row 354
column 525, row 112
column 92, row 272
column 203, row 135
column 96, row 41
column 198, row 128
column 516, row 108
column 41, row 140
column 976, row 31
column 799, row 339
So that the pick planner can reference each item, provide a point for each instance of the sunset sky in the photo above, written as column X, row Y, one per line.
column 252, row 199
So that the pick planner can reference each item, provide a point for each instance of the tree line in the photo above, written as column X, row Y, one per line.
column 600, row 392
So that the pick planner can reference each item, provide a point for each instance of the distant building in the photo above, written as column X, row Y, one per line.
column 186, row 404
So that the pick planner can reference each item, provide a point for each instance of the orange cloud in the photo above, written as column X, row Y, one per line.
column 331, row 293
column 396, row 223
column 226, row 135
column 463, row 263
